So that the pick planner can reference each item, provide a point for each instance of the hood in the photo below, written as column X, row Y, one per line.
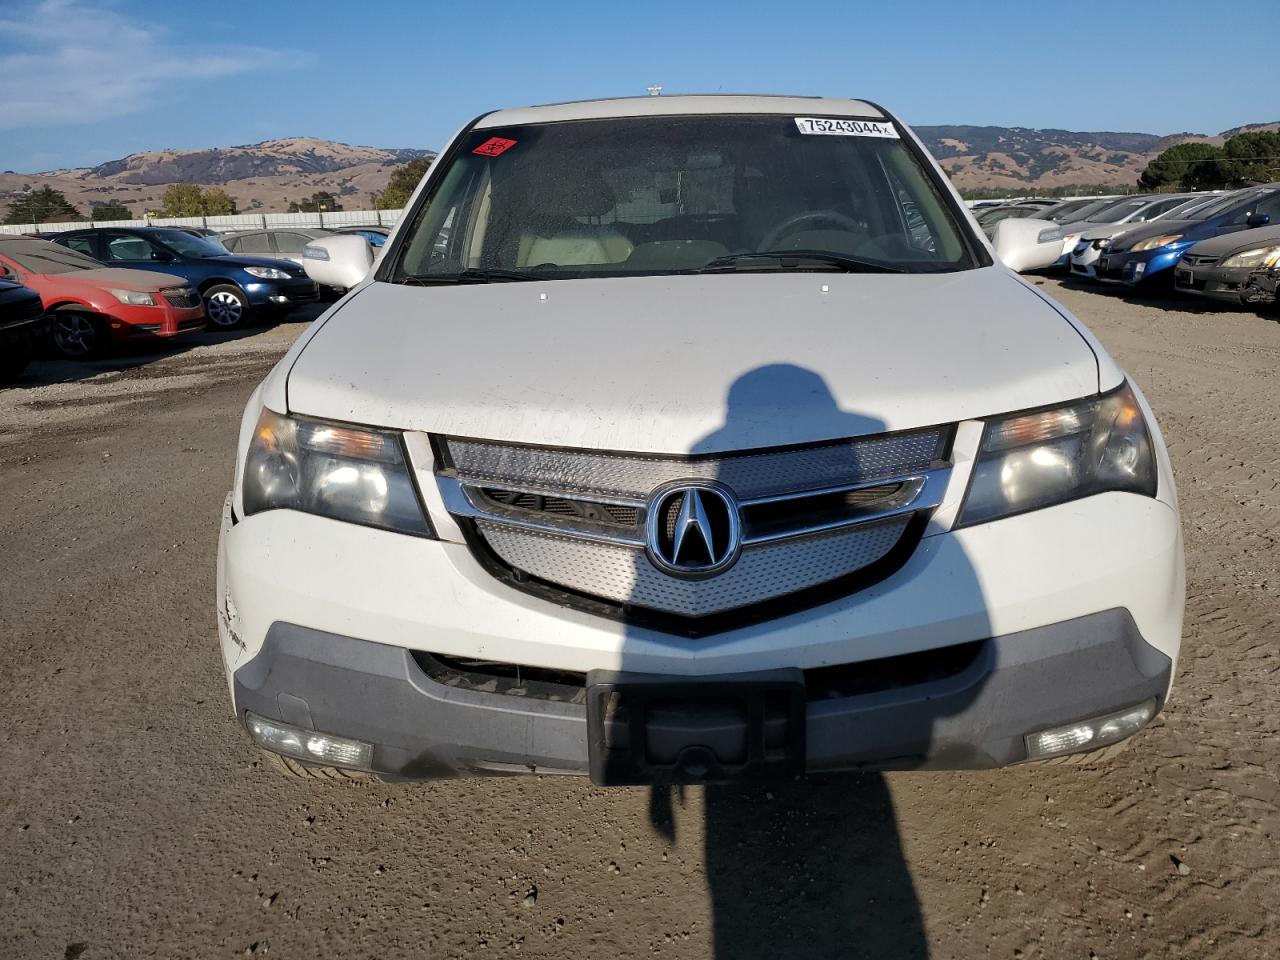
column 240, row 260
column 1101, row 231
column 1229, row 243
column 1156, row 228
column 676, row 364
column 146, row 281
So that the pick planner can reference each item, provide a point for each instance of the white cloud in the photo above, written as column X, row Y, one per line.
column 80, row 64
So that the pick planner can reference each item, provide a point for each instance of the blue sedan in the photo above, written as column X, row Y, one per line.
column 1148, row 252
column 233, row 287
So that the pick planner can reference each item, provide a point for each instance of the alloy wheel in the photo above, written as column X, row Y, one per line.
column 74, row 334
column 224, row 309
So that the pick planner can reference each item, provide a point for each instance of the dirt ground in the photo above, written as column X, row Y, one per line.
column 136, row 820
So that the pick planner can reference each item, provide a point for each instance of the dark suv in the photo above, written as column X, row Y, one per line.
column 233, row 286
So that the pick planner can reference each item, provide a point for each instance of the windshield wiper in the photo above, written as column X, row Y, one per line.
column 793, row 259
column 467, row 276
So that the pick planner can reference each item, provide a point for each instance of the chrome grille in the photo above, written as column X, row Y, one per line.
column 625, row 576
column 749, row 475
column 580, row 519
column 1198, row 261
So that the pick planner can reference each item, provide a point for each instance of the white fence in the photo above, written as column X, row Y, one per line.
column 239, row 221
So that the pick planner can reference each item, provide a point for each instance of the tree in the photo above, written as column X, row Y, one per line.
column 1252, row 157
column 189, row 200
column 112, row 210
column 1173, row 165
column 404, row 180
column 321, row 201
column 45, row 205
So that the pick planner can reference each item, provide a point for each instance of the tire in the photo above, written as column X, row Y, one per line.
column 296, row 770
column 14, row 358
column 226, row 307
column 76, row 335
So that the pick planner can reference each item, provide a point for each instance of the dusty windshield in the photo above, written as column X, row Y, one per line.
column 658, row 195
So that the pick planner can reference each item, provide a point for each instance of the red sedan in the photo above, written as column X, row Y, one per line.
column 92, row 305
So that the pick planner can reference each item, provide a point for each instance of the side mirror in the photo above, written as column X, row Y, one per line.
column 162, row 256
column 339, row 261
column 1258, row 220
column 1027, row 244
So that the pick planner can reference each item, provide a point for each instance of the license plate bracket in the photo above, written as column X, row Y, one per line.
column 646, row 728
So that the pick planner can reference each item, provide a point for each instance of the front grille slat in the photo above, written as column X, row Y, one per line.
column 810, row 517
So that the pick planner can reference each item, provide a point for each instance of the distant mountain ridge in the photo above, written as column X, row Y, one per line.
column 266, row 176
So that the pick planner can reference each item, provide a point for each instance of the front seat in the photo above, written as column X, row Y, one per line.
column 565, row 200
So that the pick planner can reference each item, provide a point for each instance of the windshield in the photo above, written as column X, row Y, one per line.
column 41, row 256
column 1221, row 205
column 642, row 196
column 191, row 246
column 1118, row 211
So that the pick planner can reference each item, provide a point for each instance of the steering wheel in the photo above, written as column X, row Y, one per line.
column 789, row 225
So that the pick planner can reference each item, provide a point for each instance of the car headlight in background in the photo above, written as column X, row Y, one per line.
column 314, row 253
column 267, row 273
column 1034, row 460
column 1265, row 257
column 331, row 470
column 1049, row 236
column 1154, row 243
column 135, row 298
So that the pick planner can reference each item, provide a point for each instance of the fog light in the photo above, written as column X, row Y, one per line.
column 278, row 298
column 308, row 744
column 1089, row 734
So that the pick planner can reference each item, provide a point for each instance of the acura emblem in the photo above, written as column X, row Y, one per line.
column 693, row 529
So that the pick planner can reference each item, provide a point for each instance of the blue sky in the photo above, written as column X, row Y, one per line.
column 85, row 81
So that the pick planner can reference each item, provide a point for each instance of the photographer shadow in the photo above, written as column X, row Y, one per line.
column 812, row 867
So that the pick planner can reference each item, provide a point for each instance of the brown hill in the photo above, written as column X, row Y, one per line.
column 262, row 177
column 265, row 176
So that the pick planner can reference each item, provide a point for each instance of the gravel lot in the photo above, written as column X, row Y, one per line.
column 137, row 820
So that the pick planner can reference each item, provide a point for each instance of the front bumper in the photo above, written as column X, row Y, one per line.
column 1236, row 285
column 319, row 623
column 973, row 718
column 1133, row 268
column 134, row 323
column 281, row 294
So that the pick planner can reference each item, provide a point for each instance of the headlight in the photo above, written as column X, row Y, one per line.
column 134, row 298
column 267, row 273
column 1257, row 257
column 1050, row 235
column 1039, row 459
column 331, row 470
column 1156, row 242
column 314, row 253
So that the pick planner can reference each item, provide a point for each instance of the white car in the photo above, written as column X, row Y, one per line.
column 690, row 439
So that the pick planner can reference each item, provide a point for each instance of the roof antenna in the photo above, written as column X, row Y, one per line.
column 655, row 90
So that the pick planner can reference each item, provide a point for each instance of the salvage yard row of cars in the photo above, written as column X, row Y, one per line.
column 1222, row 245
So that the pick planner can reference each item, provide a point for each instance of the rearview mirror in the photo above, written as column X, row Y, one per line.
column 1027, row 244
column 339, row 261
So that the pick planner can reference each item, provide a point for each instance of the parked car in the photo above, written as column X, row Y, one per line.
column 232, row 286
column 284, row 242
column 1237, row 268
column 1115, row 219
column 989, row 218
column 91, row 305
column 1149, row 252
column 21, row 323
column 1071, row 210
column 794, row 483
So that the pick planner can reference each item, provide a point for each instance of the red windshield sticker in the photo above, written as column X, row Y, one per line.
column 494, row 147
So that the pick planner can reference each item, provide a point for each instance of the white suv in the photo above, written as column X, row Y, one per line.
column 687, row 439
